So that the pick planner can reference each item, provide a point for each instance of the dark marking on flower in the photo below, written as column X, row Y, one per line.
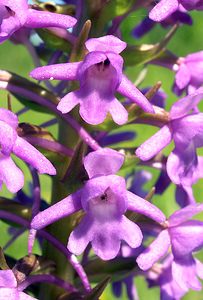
column 104, row 197
column 10, row 11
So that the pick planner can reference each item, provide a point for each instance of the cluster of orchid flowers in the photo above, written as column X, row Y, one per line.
column 114, row 219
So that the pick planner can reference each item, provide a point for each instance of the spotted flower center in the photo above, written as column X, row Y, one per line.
column 104, row 206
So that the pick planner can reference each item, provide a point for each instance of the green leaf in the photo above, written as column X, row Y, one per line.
column 98, row 290
column 138, row 55
column 103, row 11
column 3, row 263
column 117, row 268
column 75, row 173
column 15, row 208
column 54, row 41
column 24, row 90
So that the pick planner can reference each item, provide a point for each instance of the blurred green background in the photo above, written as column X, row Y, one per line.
column 186, row 40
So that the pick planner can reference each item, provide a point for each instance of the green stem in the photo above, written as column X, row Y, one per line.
column 62, row 228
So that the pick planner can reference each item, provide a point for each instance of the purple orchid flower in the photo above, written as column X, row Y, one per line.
column 146, row 25
column 10, row 142
column 179, row 230
column 100, row 76
column 189, row 73
column 163, row 278
column 183, row 165
column 104, row 199
column 165, row 8
column 9, row 287
column 15, row 14
column 183, row 194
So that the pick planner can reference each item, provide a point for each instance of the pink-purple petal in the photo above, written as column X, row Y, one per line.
column 184, row 273
column 9, row 293
column 163, row 9
column 116, row 62
column 24, row 296
column 108, row 43
column 156, row 250
column 130, row 233
column 93, row 107
column 11, row 136
column 129, row 90
column 182, row 166
column 31, row 155
column 199, row 268
column 66, row 71
column 41, row 19
column 7, row 279
column 68, row 102
column 141, row 206
column 61, row 209
column 9, row 117
column 184, row 214
column 19, row 7
column 111, row 162
column 155, row 143
column 81, row 235
column 91, row 59
column 194, row 57
column 183, row 106
column 180, row 235
column 106, row 239
column 10, row 174
column 183, row 76
column 118, row 112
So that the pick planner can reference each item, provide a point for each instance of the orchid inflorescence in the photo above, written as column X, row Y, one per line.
column 102, row 224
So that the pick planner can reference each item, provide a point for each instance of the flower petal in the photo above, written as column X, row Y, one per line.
column 141, row 206
column 184, row 214
column 8, row 137
column 156, row 250
column 111, row 162
column 93, row 107
column 20, row 8
column 154, row 144
column 9, row 117
column 163, row 9
column 183, row 76
column 31, row 155
column 68, row 102
column 199, row 268
column 108, row 43
column 97, row 186
column 118, row 112
column 81, row 236
column 41, row 19
column 184, row 195
column 7, row 279
column 66, row 71
column 10, row 174
column 24, row 296
column 91, row 59
column 9, row 293
column 184, row 273
column 183, row 106
column 130, row 233
column 106, row 239
column 181, row 166
column 194, row 57
column 182, row 136
column 180, row 235
column 129, row 90
column 61, row 209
